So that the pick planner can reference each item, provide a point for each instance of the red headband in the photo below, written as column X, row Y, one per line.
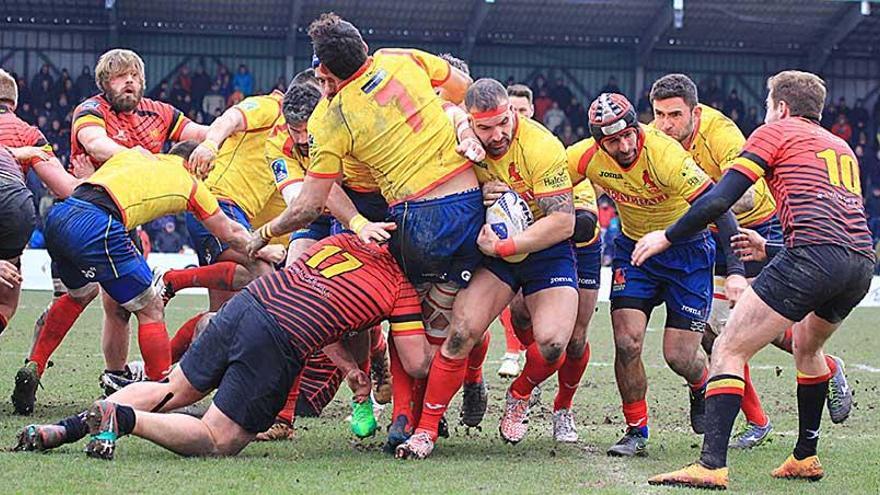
column 488, row 114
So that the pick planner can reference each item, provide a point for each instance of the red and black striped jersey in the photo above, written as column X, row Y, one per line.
column 16, row 133
column 149, row 125
column 9, row 168
column 320, row 380
column 814, row 177
column 337, row 286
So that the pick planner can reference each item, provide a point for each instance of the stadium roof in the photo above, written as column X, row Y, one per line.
column 804, row 27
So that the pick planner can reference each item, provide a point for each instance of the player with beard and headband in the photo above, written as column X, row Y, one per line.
column 652, row 180
column 523, row 156
column 714, row 141
column 113, row 121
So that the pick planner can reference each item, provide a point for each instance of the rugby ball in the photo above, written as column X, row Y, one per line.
column 508, row 216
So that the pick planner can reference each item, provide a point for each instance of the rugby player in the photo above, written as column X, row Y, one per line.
column 814, row 177
column 520, row 97
column 26, row 145
column 652, row 180
column 714, row 141
column 288, row 317
column 525, row 157
column 117, row 119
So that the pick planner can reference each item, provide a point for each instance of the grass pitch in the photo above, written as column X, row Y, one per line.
column 325, row 459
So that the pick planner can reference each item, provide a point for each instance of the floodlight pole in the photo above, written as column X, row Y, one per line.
column 651, row 36
column 479, row 12
column 113, row 35
column 847, row 21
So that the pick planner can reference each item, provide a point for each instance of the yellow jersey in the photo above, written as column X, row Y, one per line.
column 387, row 117
column 585, row 199
column 654, row 191
column 357, row 176
column 284, row 160
column 170, row 188
column 716, row 142
column 240, row 174
column 273, row 208
column 534, row 165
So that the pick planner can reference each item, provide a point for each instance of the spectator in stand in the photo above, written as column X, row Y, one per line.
column 859, row 114
column 41, row 77
column 554, row 118
column 168, row 240
column 201, row 84
column 611, row 86
column 61, row 83
column 734, row 104
column 868, row 166
column 184, row 79
column 644, row 103
column 841, row 128
column 560, row 93
column 540, row 83
column 85, row 83
column 42, row 94
column 711, row 94
column 842, row 108
column 244, row 81
column 576, row 112
column 567, row 136
column 542, row 104
column 213, row 103
column 872, row 209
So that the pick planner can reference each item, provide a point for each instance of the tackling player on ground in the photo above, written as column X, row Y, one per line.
column 814, row 177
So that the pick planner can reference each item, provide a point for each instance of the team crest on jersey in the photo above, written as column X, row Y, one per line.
column 374, row 81
column 649, row 183
column 89, row 105
column 279, row 168
column 248, row 105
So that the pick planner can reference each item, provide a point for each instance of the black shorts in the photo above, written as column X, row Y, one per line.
column 17, row 218
column 827, row 279
column 248, row 359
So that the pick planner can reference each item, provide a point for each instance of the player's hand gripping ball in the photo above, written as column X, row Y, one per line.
column 508, row 216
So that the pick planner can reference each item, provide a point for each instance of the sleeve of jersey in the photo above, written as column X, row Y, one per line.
column 585, row 196
column 579, row 156
column 681, row 174
column 438, row 70
column 406, row 315
column 329, row 141
column 86, row 114
column 38, row 140
column 201, row 202
column 758, row 152
column 177, row 123
column 258, row 112
column 285, row 170
column 551, row 171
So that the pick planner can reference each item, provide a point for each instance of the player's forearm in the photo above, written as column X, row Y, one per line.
column 727, row 228
column 304, row 210
column 710, row 205
column 340, row 205
column 225, row 125
column 194, row 132
column 341, row 357
column 101, row 148
column 745, row 203
column 60, row 182
column 548, row 231
column 230, row 232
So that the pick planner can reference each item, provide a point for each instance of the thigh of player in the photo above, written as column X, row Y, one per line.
column 549, row 285
column 474, row 309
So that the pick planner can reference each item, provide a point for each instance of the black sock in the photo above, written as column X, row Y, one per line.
column 125, row 419
column 74, row 427
column 723, row 400
column 811, row 401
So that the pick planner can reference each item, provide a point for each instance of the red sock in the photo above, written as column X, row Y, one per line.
column 184, row 337
column 444, row 380
column 58, row 321
column 155, row 349
column 401, row 387
column 570, row 375
column 419, row 385
column 378, row 344
column 636, row 414
column 751, row 403
column 832, row 364
column 286, row 413
column 513, row 345
column 535, row 371
column 786, row 343
column 475, row 360
column 217, row 276
column 696, row 387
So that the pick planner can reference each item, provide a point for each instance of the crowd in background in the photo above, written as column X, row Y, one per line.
column 48, row 99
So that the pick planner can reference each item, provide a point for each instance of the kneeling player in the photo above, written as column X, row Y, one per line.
column 253, row 351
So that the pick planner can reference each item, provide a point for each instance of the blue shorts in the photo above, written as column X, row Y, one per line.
column 371, row 205
column 770, row 230
column 88, row 244
column 248, row 358
column 436, row 239
column 207, row 247
column 589, row 265
column 680, row 277
column 551, row 267
column 317, row 230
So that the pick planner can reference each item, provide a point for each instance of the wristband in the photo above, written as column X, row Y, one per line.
column 505, row 248
column 211, row 145
column 357, row 223
column 265, row 232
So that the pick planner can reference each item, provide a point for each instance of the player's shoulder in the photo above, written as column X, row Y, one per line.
column 658, row 144
column 537, row 141
column 271, row 100
column 95, row 105
column 712, row 122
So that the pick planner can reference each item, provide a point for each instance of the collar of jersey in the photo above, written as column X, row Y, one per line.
column 356, row 75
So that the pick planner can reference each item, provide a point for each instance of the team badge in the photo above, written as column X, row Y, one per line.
column 279, row 168
column 619, row 279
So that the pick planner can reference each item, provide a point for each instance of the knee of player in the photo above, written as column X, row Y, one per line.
column 84, row 294
column 226, row 447
column 678, row 358
column 627, row 348
column 520, row 318
column 551, row 351
column 576, row 346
